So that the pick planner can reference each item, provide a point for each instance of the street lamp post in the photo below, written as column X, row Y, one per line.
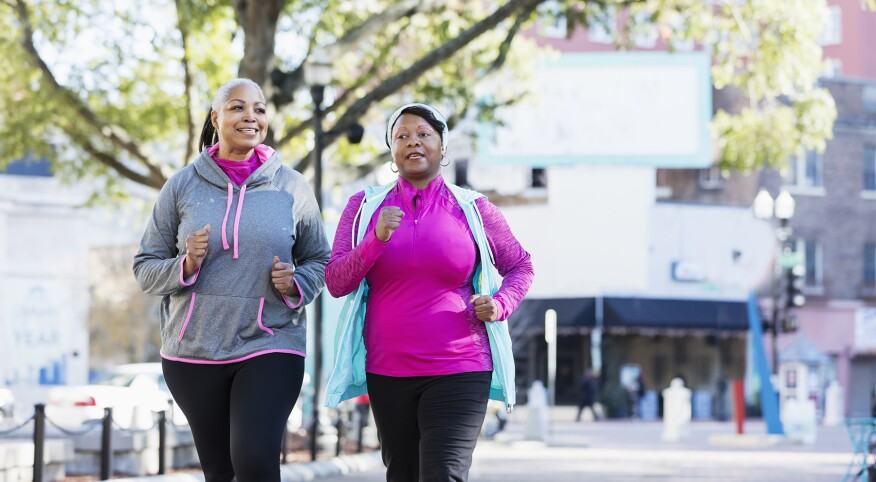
column 782, row 208
column 317, row 74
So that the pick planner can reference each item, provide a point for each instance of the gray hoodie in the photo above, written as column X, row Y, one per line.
column 229, row 310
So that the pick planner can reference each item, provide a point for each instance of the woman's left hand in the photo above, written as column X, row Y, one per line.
column 485, row 307
column 281, row 276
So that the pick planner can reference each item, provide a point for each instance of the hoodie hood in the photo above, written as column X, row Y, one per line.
column 212, row 173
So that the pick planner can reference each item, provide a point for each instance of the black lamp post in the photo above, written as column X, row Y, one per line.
column 782, row 208
column 317, row 74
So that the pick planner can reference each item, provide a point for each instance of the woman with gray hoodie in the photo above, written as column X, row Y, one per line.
column 236, row 248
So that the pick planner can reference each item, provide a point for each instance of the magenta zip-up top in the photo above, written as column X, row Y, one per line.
column 419, row 321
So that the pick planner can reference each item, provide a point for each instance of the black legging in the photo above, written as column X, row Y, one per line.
column 428, row 426
column 237, row 412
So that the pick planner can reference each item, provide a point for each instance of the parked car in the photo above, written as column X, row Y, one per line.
column 7, row 404
column 134, row 391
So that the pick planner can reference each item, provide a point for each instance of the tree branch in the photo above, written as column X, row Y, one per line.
column 111, row 161
column 379, row 22
column 512, row 32
column 112, row 133
column 433, row 58
column 370, row 74
column 182, row 25
column 289, row 82
column 258, row 19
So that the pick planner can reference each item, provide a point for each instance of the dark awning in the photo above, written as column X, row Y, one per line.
column 573, row 314
column 675, row 314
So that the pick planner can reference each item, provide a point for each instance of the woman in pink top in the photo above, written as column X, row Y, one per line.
column 428, row 358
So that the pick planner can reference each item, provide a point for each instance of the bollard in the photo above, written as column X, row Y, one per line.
column 162, row 442
column 39, row 440
column 539, row 417
column 739, row 405
column 106, row 448
column 676, row 411
column 339, row 427
column 283, row 443
column 361, row 431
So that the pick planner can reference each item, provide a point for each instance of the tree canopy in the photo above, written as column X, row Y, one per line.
column 115, row 90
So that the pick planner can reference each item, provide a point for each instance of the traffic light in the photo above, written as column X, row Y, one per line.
column 796, row 278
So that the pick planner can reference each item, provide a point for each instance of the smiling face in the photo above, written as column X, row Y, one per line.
column 416, row 149
column 241, row 123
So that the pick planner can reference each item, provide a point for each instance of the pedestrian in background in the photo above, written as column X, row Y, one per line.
column 421, row 253
column 589, row 394
column 235, row 247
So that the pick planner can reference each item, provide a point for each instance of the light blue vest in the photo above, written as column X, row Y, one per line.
column 347, row 379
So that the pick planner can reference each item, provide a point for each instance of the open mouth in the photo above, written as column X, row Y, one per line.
column 414, row 156
column 247, row 131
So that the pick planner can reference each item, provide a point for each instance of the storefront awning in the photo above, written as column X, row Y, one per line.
column 573, row 314
column 679, row 314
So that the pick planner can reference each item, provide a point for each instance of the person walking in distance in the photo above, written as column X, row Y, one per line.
column 589, row 392
column 421, row 254
column 236, row 248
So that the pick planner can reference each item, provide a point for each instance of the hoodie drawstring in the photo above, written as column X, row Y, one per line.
column 237, row 217
column 225, row 245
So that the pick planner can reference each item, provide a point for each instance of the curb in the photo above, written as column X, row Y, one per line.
column 301, row 472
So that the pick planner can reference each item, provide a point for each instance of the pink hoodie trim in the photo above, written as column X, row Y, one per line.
column 237, row 216
column 224, row 362
column 182, row 271
column 259, row 319
column 225, row 219
column 300, row 298
column 188, row 317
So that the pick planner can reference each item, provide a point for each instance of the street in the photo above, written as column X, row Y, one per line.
column 616, row 451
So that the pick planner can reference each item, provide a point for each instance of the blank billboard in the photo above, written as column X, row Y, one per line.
column 636, row 108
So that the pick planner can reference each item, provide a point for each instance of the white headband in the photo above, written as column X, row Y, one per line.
column 395, row 115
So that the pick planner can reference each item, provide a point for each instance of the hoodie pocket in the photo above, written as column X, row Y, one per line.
column 214, row 326
column 185, row 325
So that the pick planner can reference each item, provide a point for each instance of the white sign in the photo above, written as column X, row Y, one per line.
column 634, row 108
column 865, row 328
column 33, row 334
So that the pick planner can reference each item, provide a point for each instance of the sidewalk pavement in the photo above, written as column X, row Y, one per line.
column 627, row 451
column 615, row 451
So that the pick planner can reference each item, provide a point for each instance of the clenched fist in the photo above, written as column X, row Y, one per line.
column 281, row 276
column 196, row 250
column 485, row 307
column 387, row 222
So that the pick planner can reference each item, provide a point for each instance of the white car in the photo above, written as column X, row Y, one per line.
column 7, row 404
column 135, row 392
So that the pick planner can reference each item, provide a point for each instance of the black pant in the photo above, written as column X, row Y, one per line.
column 428, row 426
column 237, row 412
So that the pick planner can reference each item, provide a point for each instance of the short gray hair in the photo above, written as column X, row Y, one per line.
column 224, row 92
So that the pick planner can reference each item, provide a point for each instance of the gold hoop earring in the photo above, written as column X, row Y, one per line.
column 392, row 163
column 442, row 164
column 214, row 137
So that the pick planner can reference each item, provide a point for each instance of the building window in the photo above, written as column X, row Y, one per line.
column 711, row 179
column 870, row 264
column 868, row 98
column 870, row 168
column 539, row 177
column 813, row 259
column 644, row 31
column 806, row 170
column 603, row 25
column 833, row 68
column 551, row 21
column 833, row 27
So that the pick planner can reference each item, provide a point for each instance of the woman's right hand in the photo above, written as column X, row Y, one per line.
column 196, row 250
column 387, row 222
